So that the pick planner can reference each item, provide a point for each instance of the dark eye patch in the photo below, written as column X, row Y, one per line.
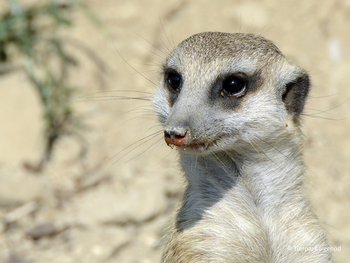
column 228, row 89
column 234, row 86
column 173, row 80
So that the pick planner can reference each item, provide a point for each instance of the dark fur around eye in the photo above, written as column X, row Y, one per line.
column 234, row 86
column 173, row 80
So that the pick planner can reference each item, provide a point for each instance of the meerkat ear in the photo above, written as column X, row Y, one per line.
column 295, row 93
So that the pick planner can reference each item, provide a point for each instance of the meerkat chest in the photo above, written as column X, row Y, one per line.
column 219, row 231
column 232, row 227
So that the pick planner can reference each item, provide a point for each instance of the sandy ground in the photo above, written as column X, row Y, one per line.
column 114, row 206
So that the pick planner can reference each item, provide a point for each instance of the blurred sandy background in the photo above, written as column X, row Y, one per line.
column 115, row 208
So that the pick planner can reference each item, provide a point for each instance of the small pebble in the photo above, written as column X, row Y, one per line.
column 43, row 230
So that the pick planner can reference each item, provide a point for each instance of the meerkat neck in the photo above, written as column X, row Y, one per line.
column 252, row 201
column 271, row 175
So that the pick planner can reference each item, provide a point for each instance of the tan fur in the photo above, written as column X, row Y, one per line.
column 245, row 199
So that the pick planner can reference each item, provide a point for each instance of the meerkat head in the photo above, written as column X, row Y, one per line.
column 220, row 91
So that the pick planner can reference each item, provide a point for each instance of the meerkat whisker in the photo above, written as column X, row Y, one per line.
column 154, row 145
column 133, row 68
column 114, row 98
column 326, row 118
column 138, row 143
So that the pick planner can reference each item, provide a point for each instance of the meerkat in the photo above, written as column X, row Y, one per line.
column 231, row 105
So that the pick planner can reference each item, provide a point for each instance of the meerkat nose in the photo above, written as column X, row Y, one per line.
column 175, row 137
column 177, row 140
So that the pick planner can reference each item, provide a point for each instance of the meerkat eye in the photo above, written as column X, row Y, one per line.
column 173, row 80
column 233, row 86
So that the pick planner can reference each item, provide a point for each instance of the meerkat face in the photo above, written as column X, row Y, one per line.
column 223, row 91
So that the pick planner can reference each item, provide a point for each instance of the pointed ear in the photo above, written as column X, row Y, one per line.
column 295, row 93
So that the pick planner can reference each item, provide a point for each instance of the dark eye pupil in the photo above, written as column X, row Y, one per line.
column 174, row 81
column 233, row 86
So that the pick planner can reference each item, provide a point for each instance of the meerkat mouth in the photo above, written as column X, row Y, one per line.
column 185, row 143
column 198, row 146
column 217, row 144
